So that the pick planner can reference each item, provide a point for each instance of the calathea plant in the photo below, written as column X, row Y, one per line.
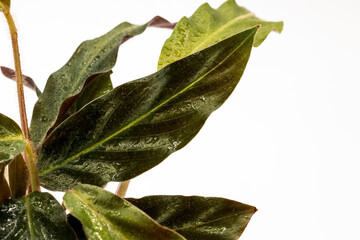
column 129, row 129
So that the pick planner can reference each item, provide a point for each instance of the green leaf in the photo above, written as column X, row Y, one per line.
column 91, row 57
column 18, row 176
column 96, row 86
column 12, row 141
column 36, row 216
column 5, row 5
column 5, row 192
column 106, row 216
column 137, row 125
column 198, row 217
column 208, row 26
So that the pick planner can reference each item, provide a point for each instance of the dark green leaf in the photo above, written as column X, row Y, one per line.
column 198, row 217
column 36, row 216
column 12, row 141
column 137, row 125
column 4, row 186
column 18, row 176
column 27, row 81
column 5, row 5
column 92, row 57
column 94, row 87
column 208, row 26
column 106, row 216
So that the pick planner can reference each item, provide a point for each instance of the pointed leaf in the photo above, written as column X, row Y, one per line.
column 36, row 216
column 198, row 217
column 106, row 216
column 12, row 141
column 137, row 125
column 18, row 176
column 208, row 26
column 94, row 87
column 92, row 57
column 27, row 81
column 4, row 186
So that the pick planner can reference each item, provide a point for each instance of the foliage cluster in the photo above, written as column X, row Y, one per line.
column 84, row 133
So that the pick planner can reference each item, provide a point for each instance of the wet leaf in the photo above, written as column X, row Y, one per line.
column 106, row 216
column 27, row 81
column 5, row 5
column 208, row 26
column 12, row 141
column 36, row 216
column 18, row 176
column 4, row 186
column 94, row 87
column 205, row 218
column 91, row 57
column 137, row 125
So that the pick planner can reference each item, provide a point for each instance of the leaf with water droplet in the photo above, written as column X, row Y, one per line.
column 36, row 216
column 208, row 26
column 12, row 141
column 106, row 216
column 165, row 105
column 91, row 57
column 205, row 218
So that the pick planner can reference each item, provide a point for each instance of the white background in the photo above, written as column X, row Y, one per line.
column 286, row 141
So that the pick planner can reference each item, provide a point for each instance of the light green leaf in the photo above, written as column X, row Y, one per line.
column 18, row 176
column 12, row 141
column 4, row 186
column 5, row 5
column 92, row 57
column 137, row 125
column 106, row 216
column 36, row 216
column 208, row 26
column 205, row 218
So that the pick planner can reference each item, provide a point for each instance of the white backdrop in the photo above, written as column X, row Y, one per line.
column 286, row 141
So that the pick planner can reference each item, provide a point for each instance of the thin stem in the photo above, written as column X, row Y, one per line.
column 29, row 156
column 20, row 88
column 122, row 188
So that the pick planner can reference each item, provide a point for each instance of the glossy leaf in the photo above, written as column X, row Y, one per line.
column 94, row 87
column 91, row 57
column 27, row 81
column 137, row 125
column 208, row 26
column 198, row 217
column 36, row 216
column 4, row 186
column 18, row 176
column 106, row 216
column 5, row 5
column 12, row 141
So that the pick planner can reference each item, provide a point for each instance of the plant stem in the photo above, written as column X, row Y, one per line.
column 122, row 188
column 29, row 156
column 20, row 88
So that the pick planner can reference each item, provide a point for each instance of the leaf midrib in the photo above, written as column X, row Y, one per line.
column 140, row 118
column 28, row 213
